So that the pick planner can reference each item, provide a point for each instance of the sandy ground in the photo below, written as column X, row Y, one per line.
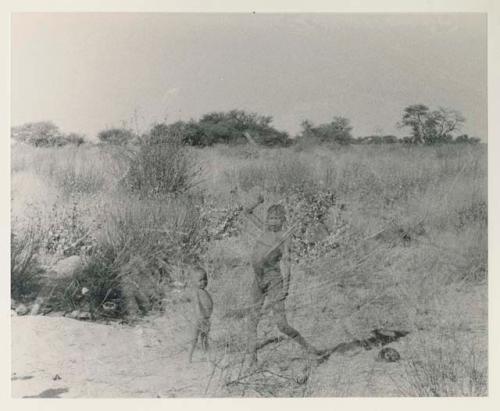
column 66, row 358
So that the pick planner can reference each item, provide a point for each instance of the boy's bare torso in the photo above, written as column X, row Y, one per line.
column 263, row 243
column 204, row 304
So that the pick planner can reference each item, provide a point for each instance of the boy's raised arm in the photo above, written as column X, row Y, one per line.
column 287, row 263
column 284, row 237
column 251, row 216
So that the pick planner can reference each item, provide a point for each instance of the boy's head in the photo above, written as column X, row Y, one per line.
column 276, row 217
column 200, row 278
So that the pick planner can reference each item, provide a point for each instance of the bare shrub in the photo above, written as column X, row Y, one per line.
column 81, row 180
column 24, row 264
column 161, row 165
column 68, row 230
column 443, row 371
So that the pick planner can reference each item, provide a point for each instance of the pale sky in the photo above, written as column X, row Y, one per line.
column 87, row 71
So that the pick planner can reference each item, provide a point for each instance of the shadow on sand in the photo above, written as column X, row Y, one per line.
column 378, row 338
column 50, row 393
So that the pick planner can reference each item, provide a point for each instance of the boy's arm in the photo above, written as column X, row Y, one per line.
column 287, row 265
column 284, row 237
column 251, row 216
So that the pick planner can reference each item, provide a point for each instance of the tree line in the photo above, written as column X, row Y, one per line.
column 425, row 126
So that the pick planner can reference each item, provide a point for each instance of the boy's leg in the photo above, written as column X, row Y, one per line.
column 257, row 300
column 283, row 325
column 204, row 342
column 277, row 298
column 194, row 340
column 205, row 328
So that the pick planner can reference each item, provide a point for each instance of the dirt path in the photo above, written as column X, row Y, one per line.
column 66, row 358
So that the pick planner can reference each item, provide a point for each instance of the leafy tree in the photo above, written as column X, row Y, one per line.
column 39, row 134
column 337, row 131
column 377, row 139
column 75, row 139
column 415, row 116
column 464, row 138
column 229, row 128
column 431, row 127
column 390, row 139
column 226, row 128
column 190, row 132
column 44, row 134
column 116, row 136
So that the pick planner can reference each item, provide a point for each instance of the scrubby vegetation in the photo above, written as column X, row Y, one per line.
column 45, row 134
column 391, row 235
column 237, row 127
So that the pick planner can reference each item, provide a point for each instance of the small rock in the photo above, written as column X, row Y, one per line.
column 84, row 315
column 301, row 378
column 73, row 314
column 66, row 267
column 388, row 354
column 22, row 309
column 35, row 309
column 109, row 306
column 55, row 314
column 56, row 377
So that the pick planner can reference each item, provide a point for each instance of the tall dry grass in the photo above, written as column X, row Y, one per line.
column 407, row 226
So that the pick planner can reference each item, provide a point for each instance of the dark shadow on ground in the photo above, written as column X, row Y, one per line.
column 378, row 338
column 25, row 377
column 50, row 393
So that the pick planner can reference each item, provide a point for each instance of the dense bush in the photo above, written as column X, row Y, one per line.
column 465, row 139
column 75, row 139
column 45, row 134
column 227, row 128
column 338, row 131
column 117, row 136
column 161, row 164
column 24, row 265
column 387, row 139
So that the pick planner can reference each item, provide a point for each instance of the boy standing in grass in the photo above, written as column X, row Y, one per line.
column 203, row 307
column 271, row 247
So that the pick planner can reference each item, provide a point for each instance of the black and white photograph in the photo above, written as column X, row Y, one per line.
column 248, row 205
